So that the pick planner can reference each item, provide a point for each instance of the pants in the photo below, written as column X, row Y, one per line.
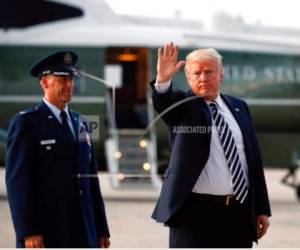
column 204, row 224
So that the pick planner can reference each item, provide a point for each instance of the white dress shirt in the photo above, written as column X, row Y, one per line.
column 216, row 178
column 56, row 112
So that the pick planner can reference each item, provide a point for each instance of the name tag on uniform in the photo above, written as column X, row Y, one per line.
column 48, row 142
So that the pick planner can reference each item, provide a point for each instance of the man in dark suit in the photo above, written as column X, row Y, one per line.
column 51, row 171
column 214, row 192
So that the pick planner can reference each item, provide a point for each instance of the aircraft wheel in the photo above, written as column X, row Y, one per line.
column 298, row 191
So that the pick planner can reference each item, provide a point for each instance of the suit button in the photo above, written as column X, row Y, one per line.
column 81, row 192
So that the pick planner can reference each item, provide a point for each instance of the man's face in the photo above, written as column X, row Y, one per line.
column 205, row 78
column 58, row 89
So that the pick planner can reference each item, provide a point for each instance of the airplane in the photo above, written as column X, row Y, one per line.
column 117, row 58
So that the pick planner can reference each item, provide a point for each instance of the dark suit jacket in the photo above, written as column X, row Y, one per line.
column 190, row 152
column 45, row 192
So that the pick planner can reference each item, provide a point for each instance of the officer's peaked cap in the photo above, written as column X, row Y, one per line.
column 59, row 64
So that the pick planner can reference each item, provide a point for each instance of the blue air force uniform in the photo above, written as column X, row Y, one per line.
column 52, row 183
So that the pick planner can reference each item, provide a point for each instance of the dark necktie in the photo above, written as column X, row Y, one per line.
column 231, row 154
column 66, row 127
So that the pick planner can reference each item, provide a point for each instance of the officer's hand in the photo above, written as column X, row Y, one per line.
column 167, row 65
column 35, row 241
column 104, row 242
column 262, row 225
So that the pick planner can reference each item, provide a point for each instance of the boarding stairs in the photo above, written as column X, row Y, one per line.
column 130, row 153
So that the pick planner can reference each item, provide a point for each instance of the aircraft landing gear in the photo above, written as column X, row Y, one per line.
column 292, row 175
column 298, row 192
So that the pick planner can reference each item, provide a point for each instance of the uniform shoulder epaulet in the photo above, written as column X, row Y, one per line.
column 75, row 113
column 79, row 116
column 29, row 111
column 84, row 118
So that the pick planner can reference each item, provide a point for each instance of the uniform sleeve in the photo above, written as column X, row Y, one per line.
column 20, row 177
column 99, row 208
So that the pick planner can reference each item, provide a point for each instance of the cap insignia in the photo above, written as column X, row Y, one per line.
column 68, row 58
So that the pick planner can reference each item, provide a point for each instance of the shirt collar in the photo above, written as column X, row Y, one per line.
column 55, row 110
column 219, row 101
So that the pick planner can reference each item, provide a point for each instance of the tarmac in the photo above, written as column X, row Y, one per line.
column 129, row 216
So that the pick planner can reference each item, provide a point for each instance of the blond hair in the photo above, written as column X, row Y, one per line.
column 203, row 55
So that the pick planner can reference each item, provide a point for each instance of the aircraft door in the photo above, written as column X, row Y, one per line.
column 130, row 95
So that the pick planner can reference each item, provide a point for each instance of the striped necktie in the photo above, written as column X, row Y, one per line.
column 238, row 177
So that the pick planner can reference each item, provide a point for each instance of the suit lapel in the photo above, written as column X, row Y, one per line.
column 75, row 122
column 203, row 108
column 244, row 123
column 236, row 111
column 206, row 113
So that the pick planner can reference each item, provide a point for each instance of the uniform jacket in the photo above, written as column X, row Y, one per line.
column 48, row 191
column 190, row 152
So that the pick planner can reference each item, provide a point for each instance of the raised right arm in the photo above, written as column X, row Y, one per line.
column 167, row 67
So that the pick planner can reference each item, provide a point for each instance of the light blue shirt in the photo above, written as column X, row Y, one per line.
column 56, row 112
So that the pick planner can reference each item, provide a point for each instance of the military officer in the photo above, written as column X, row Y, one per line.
column 51, row 171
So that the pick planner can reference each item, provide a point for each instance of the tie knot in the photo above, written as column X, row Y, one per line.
column 213, row 105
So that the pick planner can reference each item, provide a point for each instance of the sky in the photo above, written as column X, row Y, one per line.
column 278, row 13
